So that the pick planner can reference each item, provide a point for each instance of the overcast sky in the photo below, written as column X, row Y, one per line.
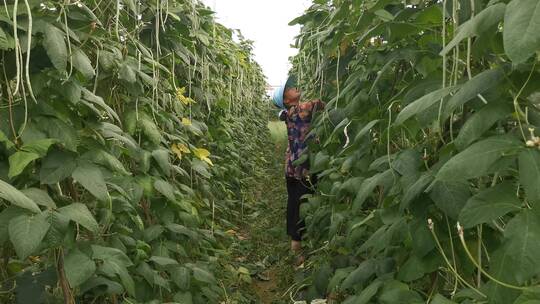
column 266, row 23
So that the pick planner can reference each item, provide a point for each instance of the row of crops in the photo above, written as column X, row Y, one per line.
column 429, row 158
column 127, row 129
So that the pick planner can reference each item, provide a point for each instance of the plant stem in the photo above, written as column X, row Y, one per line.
column 472, row 259
column 479, row 248
column 452, row 269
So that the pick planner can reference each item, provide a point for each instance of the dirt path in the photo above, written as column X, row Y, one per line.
column 267, row 241
column 262, row 244
column 266, row 289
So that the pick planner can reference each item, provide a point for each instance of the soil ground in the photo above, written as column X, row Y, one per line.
column 262, row 245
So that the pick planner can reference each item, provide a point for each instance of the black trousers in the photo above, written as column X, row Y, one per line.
column 296, row 189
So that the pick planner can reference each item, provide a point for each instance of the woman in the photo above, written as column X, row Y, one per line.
column 298, row 116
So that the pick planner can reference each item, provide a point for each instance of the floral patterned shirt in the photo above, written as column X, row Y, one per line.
column 298, row 120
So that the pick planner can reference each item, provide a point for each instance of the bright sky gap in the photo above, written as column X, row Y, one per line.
column 266, row 23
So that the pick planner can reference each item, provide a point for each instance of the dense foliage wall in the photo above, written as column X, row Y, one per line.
column 428, row 157
column 127, row 132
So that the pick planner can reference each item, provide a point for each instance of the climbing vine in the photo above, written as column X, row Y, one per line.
column 428, row 155
column 126, row 131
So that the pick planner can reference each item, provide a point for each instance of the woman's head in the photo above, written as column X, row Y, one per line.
column 291, row 97
column 287, row 95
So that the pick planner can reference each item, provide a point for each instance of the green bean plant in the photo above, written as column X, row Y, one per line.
column 128, row 135
column 428, row 153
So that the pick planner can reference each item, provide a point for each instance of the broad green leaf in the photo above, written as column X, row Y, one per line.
column 183, row 297
column 30, row 285
column 196, row 127
column 26, row 233
column 369, row 185
column 114, row 267
column 479, row 123
column 416, row 189
column 203, row 275
column 65, row 134
column 407, row 163
column 91, row 178
column 153, row 232
column 369, row 292
column 29, row 152
column 521, row 24
column 489, row 204
column 476, row 160
column 486, row 19
column 6, row 41
column 166, row 189
column 384, row 15
column 422, row 240
column 150, row 129
column 6, row 215
column 529, row 296
column 78, row 268
column 429, row 15
column 161, row 156
column 383, row 237
column 146, row 272
column 522, row 234
column 129, row 117
column 358, row 276
column 82, row 63
column 147, row 79
column 378, row 4
column 55, row 46
column 107, row 60
column 450, row 196
column 111, row 287
column 33, row 131
column 181, row 276
column 337, row 129
column 16, row 197
column 106, row 159
column 58, row 232
column 477, row 85
column 438, row 299
column 4, row 139
column 97, row 100
column 395, row 292
column 111, row 131
column 40, row 197
column 529, row 174
column 56, row 166
column 365, row 129
column 351, row 184
column 180, row 229
column 163, row 261
column 39, row 147
column 203, row 37
column 109, row 253
column 160, row 281
column 417, row 267
column 126, row 73
column 72, row 91
column 320, row 162
column 501, row 268
column 423, row 103
column 18, row 161
column 80, row 214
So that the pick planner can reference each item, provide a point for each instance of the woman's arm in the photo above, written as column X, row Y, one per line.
column 317, row 105
column 282, row 115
